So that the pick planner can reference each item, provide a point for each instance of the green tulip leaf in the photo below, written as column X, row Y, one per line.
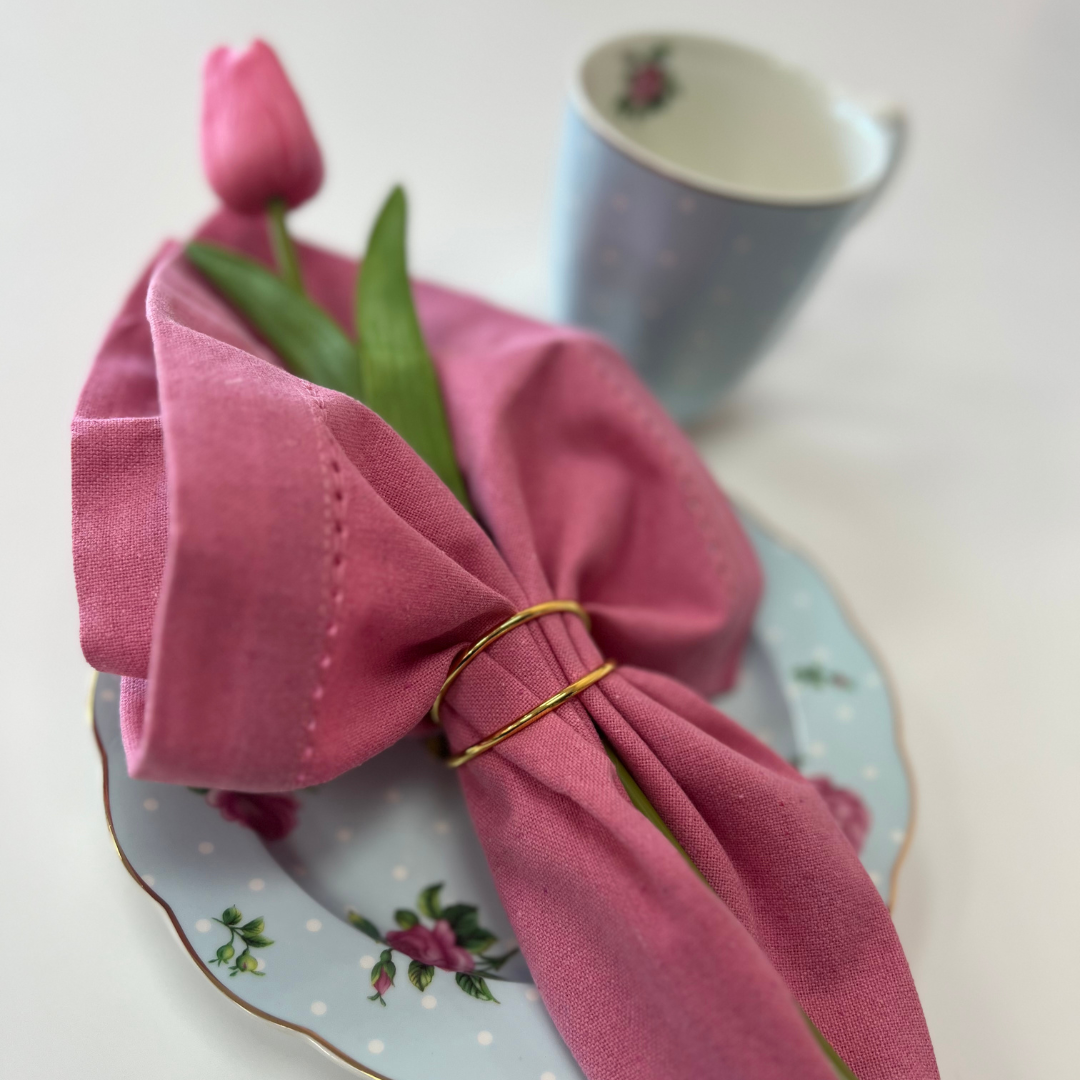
column 398, row 376
column 835, row 1060
column 641, row 801
column 308, row 341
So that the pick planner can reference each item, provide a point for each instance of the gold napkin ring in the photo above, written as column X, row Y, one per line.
column 537, row 611
column 548, row 607
column 552, row 703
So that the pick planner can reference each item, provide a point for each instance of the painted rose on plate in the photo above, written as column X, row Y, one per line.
column 273, row 817
column 455, row 941
column 436, row 947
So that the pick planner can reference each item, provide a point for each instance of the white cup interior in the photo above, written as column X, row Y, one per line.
column 738, row 123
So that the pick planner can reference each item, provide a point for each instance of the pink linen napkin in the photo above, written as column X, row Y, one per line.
column 284, row 584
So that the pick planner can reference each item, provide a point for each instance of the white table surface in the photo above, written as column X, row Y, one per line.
column 918, row 431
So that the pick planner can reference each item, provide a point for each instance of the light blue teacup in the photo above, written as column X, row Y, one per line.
column 702, row 188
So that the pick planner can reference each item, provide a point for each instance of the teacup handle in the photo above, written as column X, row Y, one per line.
column 892, row 119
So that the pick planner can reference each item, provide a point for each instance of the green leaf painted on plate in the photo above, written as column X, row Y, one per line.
column 405, row 918
column 428, row 901
column 463, row 918
column 364, row 925
column 475, row 986
column 420, row 975
column 256, row 941
column 493, row 963
column 308, row 340
column 818, row 676
column 398, row 377
column 479, row 940
column 254, row 927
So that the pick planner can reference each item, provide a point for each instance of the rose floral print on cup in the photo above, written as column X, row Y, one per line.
column 649, row 83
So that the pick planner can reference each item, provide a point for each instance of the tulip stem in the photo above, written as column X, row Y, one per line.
column 284, row 249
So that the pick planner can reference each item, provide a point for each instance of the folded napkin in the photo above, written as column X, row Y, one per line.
column 284, row 585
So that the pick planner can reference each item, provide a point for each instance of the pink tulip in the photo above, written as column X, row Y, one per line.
column 437, row 946
column 257, row 145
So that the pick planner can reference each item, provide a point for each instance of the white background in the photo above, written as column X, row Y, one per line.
column 918, row 431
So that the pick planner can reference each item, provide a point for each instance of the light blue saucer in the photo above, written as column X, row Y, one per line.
column 369, row 846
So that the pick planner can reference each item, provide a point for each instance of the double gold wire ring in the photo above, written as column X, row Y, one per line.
column 537, row 611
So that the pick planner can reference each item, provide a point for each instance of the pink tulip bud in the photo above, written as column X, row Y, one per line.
column 257, row 145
